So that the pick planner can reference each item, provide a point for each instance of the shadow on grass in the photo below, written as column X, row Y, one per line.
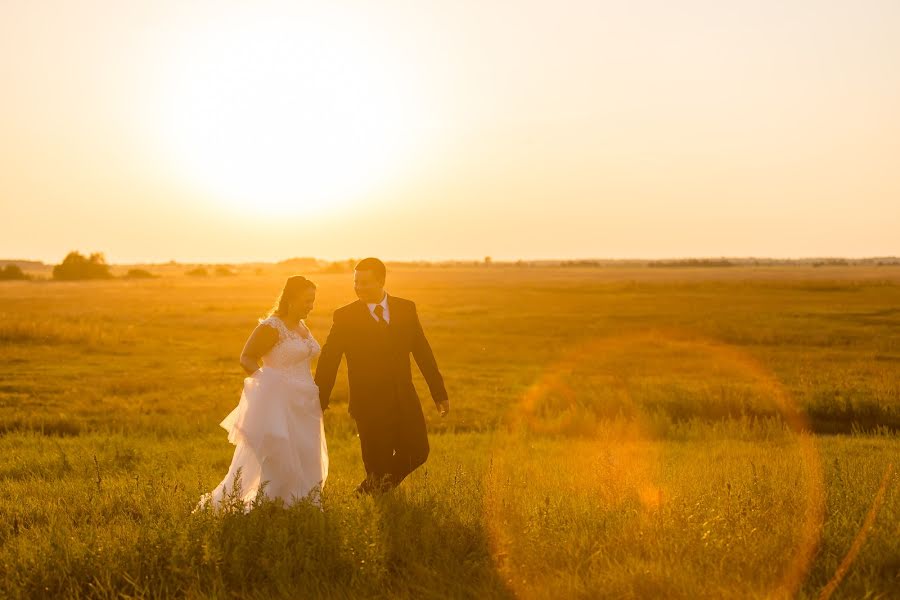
column 430, row 552
column 405, row 544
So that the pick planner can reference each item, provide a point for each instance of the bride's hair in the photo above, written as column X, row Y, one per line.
column 293, row 286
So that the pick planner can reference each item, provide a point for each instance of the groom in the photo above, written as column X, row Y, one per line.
column 377, row 333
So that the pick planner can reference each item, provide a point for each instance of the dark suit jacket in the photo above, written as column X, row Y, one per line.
column 378, row 363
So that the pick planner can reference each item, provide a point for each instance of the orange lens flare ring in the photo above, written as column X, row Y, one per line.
column 635, row 457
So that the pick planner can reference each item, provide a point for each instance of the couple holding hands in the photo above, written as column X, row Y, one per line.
column 278, row 427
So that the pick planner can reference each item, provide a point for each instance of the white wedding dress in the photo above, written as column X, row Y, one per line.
column 277, row 427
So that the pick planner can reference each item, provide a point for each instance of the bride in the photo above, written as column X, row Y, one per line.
column 277, row 427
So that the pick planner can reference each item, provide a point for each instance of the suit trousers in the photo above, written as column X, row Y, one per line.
column 393, row 444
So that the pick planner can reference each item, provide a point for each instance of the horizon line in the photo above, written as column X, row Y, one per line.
column 482, row 260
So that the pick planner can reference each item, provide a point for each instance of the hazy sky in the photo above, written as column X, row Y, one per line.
column 243, row 131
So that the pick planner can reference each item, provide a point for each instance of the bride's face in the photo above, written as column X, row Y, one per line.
column 302, row 303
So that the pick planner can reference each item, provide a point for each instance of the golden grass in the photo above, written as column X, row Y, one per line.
column 615, row 432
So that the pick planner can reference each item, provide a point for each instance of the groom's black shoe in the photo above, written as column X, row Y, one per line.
column 374, row 486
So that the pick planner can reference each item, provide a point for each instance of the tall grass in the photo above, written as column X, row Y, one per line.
column 14, row 329
column 614, row 433
column 491, row 515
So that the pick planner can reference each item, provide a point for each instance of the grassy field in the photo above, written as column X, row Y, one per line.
column 615, row 432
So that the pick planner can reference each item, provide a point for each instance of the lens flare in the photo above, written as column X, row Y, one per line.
column 620, row 444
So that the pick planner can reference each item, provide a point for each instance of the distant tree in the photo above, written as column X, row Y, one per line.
column 10, row 272
column 300, row 262
column 488, row 261
column 831, row 262
column 224, row 272
column 342, row 266
column 198, row 272
column 139, row 274
column 690, row 262
column 75, row 266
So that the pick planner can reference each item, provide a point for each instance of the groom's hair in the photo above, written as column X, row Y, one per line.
column 375, row 265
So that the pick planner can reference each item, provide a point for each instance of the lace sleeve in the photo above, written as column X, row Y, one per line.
column 275, row 323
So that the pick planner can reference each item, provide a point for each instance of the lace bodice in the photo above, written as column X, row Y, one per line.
column 292, row 352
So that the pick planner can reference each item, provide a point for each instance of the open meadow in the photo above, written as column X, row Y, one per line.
column 615, row 432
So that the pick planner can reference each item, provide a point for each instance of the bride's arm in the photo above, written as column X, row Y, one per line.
column 258, row 345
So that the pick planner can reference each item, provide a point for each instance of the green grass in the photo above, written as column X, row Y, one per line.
column 492, row 515
column 615, row 432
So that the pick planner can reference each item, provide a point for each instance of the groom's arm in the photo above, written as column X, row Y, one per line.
column 330, row 360
column 421, row 351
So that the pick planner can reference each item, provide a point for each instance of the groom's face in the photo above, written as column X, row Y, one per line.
column 368, row 287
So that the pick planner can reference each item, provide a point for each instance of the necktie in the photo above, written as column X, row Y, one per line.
column 379, row 312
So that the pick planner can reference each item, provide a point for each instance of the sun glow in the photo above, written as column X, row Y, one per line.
column 299, row 116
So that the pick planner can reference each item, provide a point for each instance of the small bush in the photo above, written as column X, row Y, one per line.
column 12, row 272
column 690, row 262
column 76, row 266
column 224, row 272
column 345, row 266
column 139, row 274
column 300, row 263
column 198, row 272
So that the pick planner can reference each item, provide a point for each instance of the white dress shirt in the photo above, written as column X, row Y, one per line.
column 384, row 304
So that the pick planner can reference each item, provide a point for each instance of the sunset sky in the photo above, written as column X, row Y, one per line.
column 227, row 131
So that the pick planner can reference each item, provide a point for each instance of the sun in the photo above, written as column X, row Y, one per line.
column 290, row 116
